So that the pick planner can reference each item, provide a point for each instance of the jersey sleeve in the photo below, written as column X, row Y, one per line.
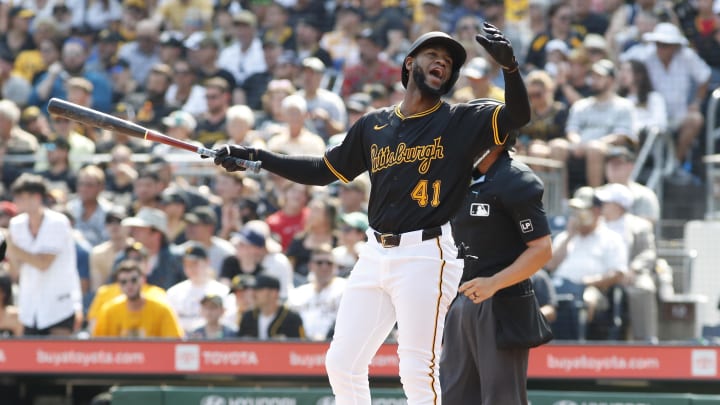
column 523, row 200
column 489, row 127
column 348, row 159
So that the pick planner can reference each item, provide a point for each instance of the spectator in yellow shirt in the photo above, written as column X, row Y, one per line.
column 135, row 314
column 105, row 293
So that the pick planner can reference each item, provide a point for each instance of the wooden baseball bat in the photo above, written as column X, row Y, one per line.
column 99, row 119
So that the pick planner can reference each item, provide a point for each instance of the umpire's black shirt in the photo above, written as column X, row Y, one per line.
column 501, row 212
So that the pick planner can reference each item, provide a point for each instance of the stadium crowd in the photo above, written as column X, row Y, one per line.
column 165, row 247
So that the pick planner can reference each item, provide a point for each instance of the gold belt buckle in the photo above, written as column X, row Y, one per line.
column 386, row 240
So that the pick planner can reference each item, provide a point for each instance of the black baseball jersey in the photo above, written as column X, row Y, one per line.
column 501, row 213
column 419, row 166
column 286, row 324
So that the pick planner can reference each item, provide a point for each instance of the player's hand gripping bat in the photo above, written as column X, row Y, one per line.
column 98, row 119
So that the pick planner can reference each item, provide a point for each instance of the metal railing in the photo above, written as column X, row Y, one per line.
column 553, row 174
column 712, row 159
column 183, row 164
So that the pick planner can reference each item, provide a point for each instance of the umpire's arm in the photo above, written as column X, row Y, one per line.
column 538, row 252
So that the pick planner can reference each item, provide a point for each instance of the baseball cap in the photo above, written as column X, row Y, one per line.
column 311, row 21
column 109, row 36
column 170, row 38
column 356, row 220
column 263, row 281
column 148, row 218
column 180, row 118
column 203, row 214
column 620, row 152
column 595, row 41
column 372, row 36
column 171, row 196
column 57, row 143
column 358, row 102
column 557, row 45
column 116, row 214
column 314, row 64
column 250, row 237
column 19, row 11
column 212, row 299
column 584, row 198
column 615, row 193
column 163, row 69
column 30, row 113
column 245, row 17
column 604, row 67
column 436, row 3
column 477, row 68
column 194, row 250
column 242, row 282
column 199, row 40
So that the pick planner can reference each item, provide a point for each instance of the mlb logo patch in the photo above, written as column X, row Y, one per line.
column 526, row 226
column 479, row 210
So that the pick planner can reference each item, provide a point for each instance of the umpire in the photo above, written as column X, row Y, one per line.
column 505, row 237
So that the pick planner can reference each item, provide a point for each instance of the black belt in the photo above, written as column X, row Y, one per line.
column 388, row 240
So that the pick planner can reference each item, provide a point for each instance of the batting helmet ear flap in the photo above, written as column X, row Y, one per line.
column 405, row 75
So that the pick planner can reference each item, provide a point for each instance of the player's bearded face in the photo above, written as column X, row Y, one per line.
column 420, row 80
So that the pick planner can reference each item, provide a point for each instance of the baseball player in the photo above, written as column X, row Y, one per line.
column 419, row 155
column 502, row 225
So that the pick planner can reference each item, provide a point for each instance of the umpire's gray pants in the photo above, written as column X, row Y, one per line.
column 472, row 370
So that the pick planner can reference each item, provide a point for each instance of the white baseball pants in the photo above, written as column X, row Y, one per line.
column 412, row 284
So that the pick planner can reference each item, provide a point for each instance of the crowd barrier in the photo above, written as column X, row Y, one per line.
column 323, row 396
column 302, row 360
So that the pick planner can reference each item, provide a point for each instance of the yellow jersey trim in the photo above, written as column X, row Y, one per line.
column 420, row 114
column 433, row 359
column 495, row 129
column 334, row 171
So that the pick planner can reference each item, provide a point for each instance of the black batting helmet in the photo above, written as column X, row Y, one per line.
column 457, row 52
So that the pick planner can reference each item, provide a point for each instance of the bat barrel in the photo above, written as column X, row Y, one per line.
column 95, row 118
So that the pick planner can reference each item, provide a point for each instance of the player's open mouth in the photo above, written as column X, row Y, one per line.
column 437, row 73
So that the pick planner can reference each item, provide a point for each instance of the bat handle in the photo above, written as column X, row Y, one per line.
column 253, row 166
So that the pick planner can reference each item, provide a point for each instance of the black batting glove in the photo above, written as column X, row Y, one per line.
column 225, row 156
column 497, row 46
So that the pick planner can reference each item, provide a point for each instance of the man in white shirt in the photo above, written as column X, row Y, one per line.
column 317, row 301
column 186, row 296
column 597, row 122
column 679, row 74
column 245, row 56
column 201, row 224
column 638, row 235
column 588, row 253
column 41, row 251
column 326, row 109
column 619, row 166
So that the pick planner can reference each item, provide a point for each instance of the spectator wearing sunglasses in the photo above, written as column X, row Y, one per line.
column 135, row 314
column 111, row 289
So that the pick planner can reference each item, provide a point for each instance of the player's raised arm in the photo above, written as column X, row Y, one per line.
column 517, row 111
column 300, row 169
